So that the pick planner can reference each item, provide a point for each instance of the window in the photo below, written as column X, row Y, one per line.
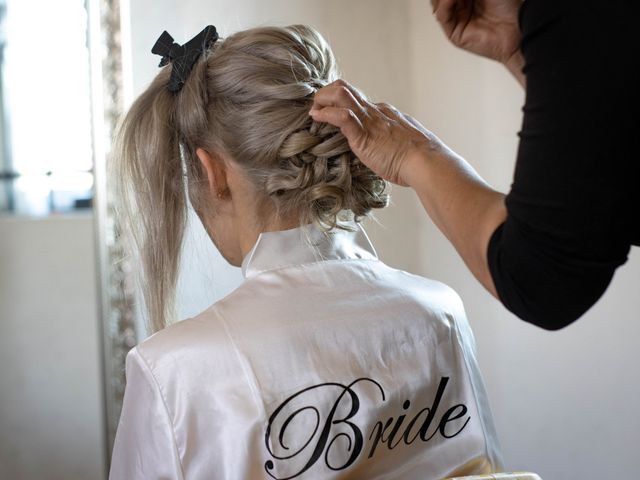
column 45, row 111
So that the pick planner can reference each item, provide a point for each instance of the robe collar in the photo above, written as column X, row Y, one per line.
column 306, row 244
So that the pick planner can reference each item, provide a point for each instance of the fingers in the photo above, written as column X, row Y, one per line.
column 445, row 13
column 343, row 118
column 358, row 95
column 343, row 106
column 340, row 94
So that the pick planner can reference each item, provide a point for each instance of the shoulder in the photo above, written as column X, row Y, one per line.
column 439, row 306
column 208, row 332
column 193, row 344
column 429, row 293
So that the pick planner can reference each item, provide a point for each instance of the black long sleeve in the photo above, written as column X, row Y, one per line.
column 573, row 208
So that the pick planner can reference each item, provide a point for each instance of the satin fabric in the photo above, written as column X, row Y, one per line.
column 325, row 363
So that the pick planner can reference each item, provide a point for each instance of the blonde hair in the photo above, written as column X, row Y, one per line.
column 248, row 96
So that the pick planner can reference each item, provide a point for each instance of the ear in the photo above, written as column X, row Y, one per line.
column 216, row 170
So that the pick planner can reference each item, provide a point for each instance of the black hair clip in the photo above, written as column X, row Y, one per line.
column 184, row 56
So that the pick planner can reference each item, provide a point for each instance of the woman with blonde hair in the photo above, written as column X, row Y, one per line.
column 325, row 362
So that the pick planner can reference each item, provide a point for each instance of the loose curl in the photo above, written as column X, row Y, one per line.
column 247, row 96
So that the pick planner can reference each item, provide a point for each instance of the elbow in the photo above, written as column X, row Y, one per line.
column 539, row 282
column 554, row 305
column 550, row 320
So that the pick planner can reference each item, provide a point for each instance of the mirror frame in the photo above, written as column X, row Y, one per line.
column 107, row 26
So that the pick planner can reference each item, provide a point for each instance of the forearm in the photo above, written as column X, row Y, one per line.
column 461, row 204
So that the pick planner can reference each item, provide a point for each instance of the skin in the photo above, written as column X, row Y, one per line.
column 237, row 222
column 488, row 28
column 399, row 149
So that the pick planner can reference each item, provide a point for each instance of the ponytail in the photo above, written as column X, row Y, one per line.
column 150, row 194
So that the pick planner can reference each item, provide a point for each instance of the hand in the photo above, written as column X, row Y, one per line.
column 384, row 139
column 400, row 150
column 485, row 27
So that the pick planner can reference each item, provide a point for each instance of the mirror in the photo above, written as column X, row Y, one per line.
column 57, row 177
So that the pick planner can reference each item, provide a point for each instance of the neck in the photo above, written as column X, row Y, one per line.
column 250, row 231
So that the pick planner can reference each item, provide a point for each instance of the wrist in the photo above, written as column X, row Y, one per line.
column 419, row 165
column 414, row 170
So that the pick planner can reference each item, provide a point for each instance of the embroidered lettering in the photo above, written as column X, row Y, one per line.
column 336, row 434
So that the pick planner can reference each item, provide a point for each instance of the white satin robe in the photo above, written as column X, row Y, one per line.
column 325, row 363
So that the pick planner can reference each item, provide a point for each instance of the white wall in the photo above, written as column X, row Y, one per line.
column 51, row 420
column 563, row 401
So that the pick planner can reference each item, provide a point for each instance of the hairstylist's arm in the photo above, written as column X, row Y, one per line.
column 400, row 150
column 485, row 27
